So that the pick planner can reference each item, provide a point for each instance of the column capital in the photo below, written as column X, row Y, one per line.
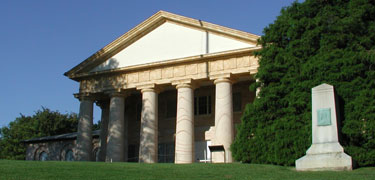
column 149, row 88
column 84, row 96
column 227, row 77
column 185, row 83
column 220, row 80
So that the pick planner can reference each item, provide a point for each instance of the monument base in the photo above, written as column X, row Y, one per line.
column 329, row 158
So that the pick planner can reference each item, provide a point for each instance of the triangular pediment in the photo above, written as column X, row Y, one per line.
column 171, row 41
column 162, row 37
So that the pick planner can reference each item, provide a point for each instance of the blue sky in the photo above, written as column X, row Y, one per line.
column 42, row 39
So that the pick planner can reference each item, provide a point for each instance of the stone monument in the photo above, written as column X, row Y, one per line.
column 325, row 153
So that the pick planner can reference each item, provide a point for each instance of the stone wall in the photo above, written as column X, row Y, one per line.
column 56, row 149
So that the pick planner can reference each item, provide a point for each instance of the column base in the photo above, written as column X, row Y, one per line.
column 324, row 157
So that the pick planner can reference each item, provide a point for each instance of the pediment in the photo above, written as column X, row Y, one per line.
column 162, row 37
column 171, row 41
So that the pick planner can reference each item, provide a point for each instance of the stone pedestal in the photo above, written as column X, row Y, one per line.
column 184, row 147
column 325, row 153
column 224, row 129
column 116, row 129
column 84, row 133
column 148, row 147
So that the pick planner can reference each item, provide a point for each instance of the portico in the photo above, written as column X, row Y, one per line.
column 171, row 84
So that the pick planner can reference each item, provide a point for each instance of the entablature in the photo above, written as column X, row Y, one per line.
column 238, row 63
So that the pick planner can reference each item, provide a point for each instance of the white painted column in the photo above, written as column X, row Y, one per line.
column 148, row 147
column 116, row 129
column 84, row 133
column 103, row 129
column 224, row 128
column 184, row 147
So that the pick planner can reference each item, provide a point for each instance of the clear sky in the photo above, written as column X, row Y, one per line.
column 42, row 39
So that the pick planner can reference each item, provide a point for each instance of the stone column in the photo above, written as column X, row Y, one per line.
column 148, row 147
column 84, row 133
column 103, row 129
column 253, row 74
column 224, row 128
column 116, row 129
column 184, row 147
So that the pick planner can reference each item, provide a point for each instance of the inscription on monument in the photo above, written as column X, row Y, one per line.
column 324, row 117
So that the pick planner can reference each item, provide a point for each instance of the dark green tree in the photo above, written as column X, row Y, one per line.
column 310, row 43
column 43, row 123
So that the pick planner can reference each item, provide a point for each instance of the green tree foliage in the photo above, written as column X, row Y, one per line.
column 313, row 42
column 43, row 123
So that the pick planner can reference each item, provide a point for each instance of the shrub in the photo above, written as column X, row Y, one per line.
column 310, row 43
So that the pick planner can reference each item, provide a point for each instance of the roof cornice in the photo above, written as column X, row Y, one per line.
column 147, row 26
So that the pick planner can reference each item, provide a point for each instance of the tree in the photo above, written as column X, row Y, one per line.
column 314, row 42
column 43, row 123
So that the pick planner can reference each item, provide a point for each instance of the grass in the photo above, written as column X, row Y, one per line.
column 99, row 170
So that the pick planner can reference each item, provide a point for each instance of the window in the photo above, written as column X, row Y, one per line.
column 69, row 155
column 237, row 102
column 202, row 105
column 43, row 156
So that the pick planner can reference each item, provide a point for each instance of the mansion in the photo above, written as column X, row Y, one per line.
column 170, row 90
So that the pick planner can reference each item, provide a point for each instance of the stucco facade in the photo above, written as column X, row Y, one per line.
column 168, row 89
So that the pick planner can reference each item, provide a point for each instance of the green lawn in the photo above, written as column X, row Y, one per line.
column 98, row 170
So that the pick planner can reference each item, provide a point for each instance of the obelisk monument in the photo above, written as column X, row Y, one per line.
column 325, row 153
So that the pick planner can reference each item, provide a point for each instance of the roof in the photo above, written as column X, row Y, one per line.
column 147, row 26
column 60, row 137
